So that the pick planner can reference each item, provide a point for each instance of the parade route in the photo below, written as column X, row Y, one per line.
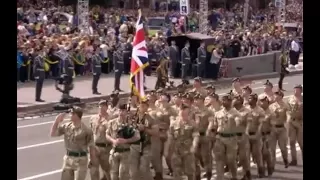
column 39, row 157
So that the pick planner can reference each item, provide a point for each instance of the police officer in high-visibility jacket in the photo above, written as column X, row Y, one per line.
column 39, row 73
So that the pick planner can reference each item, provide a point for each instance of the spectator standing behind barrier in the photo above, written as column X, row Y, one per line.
column 215, row 61
column 294, row 52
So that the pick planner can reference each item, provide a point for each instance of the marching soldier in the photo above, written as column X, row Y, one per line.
column 268, row 86
column 279, row 136
column 283, row 68
column 225, row 147
column 99, row 124
column 118, row 69
column 246, row 91
column 39, row 74
column 78, row 140
column 266, row 128
column 120, row 153
column 185, row 61
column 236, row 84
column 242, row 137
column 201, row 60
column 197, row 88
column 162, row 71
column 295, row 122
column 96, row 70
column 177, row 101
column 140, row 151
column 174, row 59
column 113, row 111
column 210, row 89
column 162, row 116
column 203, row 154
column 184, row 140
column 254, row 132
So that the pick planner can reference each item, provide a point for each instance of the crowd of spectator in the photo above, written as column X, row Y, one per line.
column 48, row 26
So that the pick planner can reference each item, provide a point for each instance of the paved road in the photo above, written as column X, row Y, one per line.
column 26, row 92
column 40, row 157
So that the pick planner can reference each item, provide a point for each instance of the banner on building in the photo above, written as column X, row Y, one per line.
column 184, row 7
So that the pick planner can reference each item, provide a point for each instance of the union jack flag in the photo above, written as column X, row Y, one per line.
column 139, row 60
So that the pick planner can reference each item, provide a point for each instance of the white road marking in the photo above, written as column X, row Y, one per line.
column 278, row 155
column 58, row 141
column 38, row 145
column 43, row 123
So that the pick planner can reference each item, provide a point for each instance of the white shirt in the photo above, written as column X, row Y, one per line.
column 104, row 50
column 295, row 46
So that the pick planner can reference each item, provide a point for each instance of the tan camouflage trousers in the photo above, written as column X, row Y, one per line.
column 139, row 165
column 119, row 165
column 183, row 164
column 279, row 136
column 203, row 155
column 103, row 161
column 74, row 168
column 295, row 134
column 244, row 152
column 225, row 151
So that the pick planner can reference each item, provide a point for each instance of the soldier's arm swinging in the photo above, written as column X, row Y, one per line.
column 211, row 127
column 170, row 140
column 91, row 147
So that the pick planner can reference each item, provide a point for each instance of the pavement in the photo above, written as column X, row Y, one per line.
column 39, row 157
column 26, row 92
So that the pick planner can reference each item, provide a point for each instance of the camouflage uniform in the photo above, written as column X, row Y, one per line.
column 162, row 117
column 140, row 161
column 243, row 141
column 279, row 135
column 203, row 154
column 225, row 147
column 76, row 140
column 253, row 130
column 119, row 155
column 266, row 130
column 99, row 127
column 295, row 128
column 182, row 137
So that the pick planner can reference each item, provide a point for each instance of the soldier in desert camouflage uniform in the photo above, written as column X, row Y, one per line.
column 98, row 125
column 254, row 132
column 225, row 147
column 295, row 122
column 140, row 151
column 279, row 136
column 266, row 130
column 203, row 154
column 243, row 140
column 78, row 140
column 184, row 140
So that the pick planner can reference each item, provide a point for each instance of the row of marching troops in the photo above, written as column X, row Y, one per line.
column 191, row 129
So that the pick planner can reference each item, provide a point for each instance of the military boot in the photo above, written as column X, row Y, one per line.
column 261, row 172
column 226, row 169
column 293, row 163
column 197, row 177
column 247, row 176
column 270, row 171
column 209, row 175
column 286, row 163
column 158, row 176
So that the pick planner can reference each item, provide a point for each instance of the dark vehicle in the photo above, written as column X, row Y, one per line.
column 155, row 24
